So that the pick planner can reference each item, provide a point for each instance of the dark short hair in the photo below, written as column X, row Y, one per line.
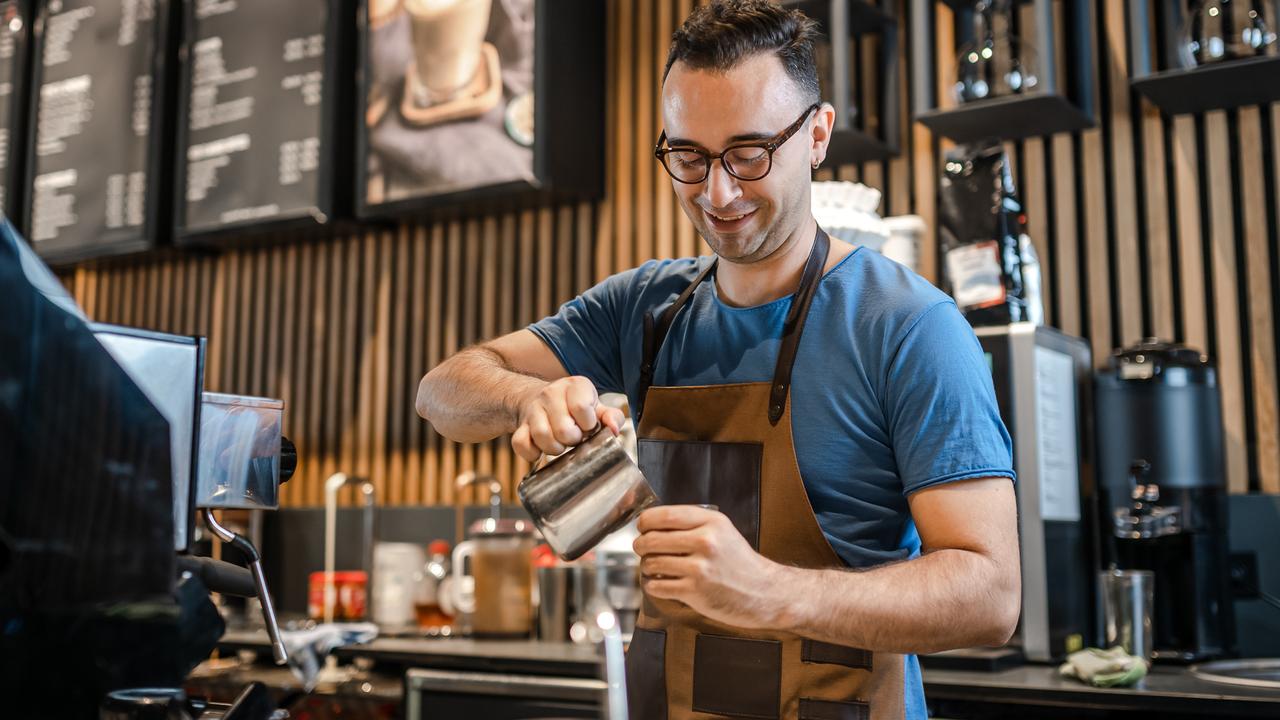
column 722, row 34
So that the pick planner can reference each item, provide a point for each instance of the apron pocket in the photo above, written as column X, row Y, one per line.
column 647, row 675
column 725, row 474
column 811, row 709
column 812, row 651
column 737, row 676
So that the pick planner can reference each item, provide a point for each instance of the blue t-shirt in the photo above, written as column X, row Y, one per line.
column 890, row 394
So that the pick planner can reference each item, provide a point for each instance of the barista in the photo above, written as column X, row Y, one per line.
column 835, row 407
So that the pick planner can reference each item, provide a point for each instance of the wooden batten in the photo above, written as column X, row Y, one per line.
column 1145, row 225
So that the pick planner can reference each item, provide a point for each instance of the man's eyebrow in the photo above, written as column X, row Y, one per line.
column 673, row 142
column 745, row 137
column 749, row 137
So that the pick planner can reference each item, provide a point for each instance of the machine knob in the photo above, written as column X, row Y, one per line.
column 288, row 459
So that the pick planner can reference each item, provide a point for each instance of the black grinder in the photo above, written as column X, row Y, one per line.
column 1163, row 491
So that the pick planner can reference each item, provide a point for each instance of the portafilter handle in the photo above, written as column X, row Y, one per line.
column 242, row 544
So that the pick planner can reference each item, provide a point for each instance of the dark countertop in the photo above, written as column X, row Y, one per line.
column 499, row 656
column 507, row 656
column 1166, row 689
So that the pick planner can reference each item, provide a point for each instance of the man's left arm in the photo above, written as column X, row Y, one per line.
column 962, row 591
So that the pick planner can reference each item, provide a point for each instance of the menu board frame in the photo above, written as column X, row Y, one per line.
column 334, row 174
column 15, row 187
column 569, row 119
column 156, row 213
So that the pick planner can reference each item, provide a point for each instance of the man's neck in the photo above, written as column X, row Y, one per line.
column 776, row 276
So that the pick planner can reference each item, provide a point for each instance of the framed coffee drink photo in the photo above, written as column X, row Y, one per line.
column 471, row 101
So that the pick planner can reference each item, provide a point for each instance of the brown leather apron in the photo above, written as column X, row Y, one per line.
column 731, row 446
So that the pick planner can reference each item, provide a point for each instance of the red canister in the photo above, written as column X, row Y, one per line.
column 350, row 590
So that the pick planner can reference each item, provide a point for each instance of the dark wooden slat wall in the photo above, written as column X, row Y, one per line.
column 1146, row 225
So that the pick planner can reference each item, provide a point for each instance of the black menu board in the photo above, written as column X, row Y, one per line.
column 13, row 72
column 255, row 98
column 96, row 128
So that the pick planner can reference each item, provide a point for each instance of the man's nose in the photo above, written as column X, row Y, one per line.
column 721, row 187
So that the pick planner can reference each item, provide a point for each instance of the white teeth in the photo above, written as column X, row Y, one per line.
column 729, row 219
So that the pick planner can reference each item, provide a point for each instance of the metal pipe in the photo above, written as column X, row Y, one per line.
column 332, row 485
column 841, row 97
column 615, row 670
column 368, row 492
column 1046, row 46
column 922, row 59
column 470, row 477
column 259, row 581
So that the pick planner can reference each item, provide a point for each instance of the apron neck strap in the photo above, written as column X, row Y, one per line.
column 655, row 329
column 794, row 325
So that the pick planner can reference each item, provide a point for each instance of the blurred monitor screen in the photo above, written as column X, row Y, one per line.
column 170, row 371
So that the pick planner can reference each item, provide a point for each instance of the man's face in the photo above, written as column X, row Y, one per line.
column 742, row 221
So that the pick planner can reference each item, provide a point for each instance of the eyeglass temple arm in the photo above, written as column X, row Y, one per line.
column 657, row 148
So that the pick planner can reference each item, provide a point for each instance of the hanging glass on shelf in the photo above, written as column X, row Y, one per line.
column 1220, row 30
column 995, row 63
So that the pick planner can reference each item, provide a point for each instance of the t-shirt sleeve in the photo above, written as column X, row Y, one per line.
column 585, row 332
column 943, row 419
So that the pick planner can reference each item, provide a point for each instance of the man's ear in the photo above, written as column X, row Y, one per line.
column 820, row 128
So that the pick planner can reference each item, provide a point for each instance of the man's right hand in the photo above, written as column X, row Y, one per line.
column 559, row 416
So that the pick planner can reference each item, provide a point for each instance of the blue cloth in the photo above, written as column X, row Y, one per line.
column 891, row 392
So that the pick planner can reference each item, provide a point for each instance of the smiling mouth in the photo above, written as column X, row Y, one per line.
column 728, row 218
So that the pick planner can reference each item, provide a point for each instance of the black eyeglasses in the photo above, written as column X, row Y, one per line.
column 745, row 161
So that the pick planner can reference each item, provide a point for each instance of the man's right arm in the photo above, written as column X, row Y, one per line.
column 512, row 384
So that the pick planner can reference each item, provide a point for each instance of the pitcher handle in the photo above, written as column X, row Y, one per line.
column 540, row 464
column 464, row 596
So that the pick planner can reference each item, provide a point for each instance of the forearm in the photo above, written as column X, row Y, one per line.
column 474, row 396
column 946, row 599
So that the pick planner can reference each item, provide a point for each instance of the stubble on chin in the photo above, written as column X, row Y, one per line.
column 742, row 250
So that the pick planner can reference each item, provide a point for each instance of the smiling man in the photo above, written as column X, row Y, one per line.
column 833, row 406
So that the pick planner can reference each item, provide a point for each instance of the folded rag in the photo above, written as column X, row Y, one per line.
column 1104, row 668
column 306, row 647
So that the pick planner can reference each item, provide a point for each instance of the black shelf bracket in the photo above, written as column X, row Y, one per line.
column 1163, row 77
column 1053, row 107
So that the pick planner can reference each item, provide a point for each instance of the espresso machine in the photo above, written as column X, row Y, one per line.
column 1163, row 492
column 234, row 456
column 108, row 449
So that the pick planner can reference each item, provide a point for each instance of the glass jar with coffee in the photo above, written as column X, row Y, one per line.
column 498, row 557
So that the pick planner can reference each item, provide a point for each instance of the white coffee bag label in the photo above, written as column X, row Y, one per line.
column 975, row 275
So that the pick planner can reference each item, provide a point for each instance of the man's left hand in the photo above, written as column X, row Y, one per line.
column 696, row 556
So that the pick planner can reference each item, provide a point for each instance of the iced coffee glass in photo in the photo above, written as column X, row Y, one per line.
column 448, row 39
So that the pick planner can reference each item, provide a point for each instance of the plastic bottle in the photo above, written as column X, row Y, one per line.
column 431, row 615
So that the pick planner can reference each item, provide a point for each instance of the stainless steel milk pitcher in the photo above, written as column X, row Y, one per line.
column 585, row 494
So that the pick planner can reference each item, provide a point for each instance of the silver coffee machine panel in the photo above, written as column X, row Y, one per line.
column 1043, row 386
column 240, row 452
